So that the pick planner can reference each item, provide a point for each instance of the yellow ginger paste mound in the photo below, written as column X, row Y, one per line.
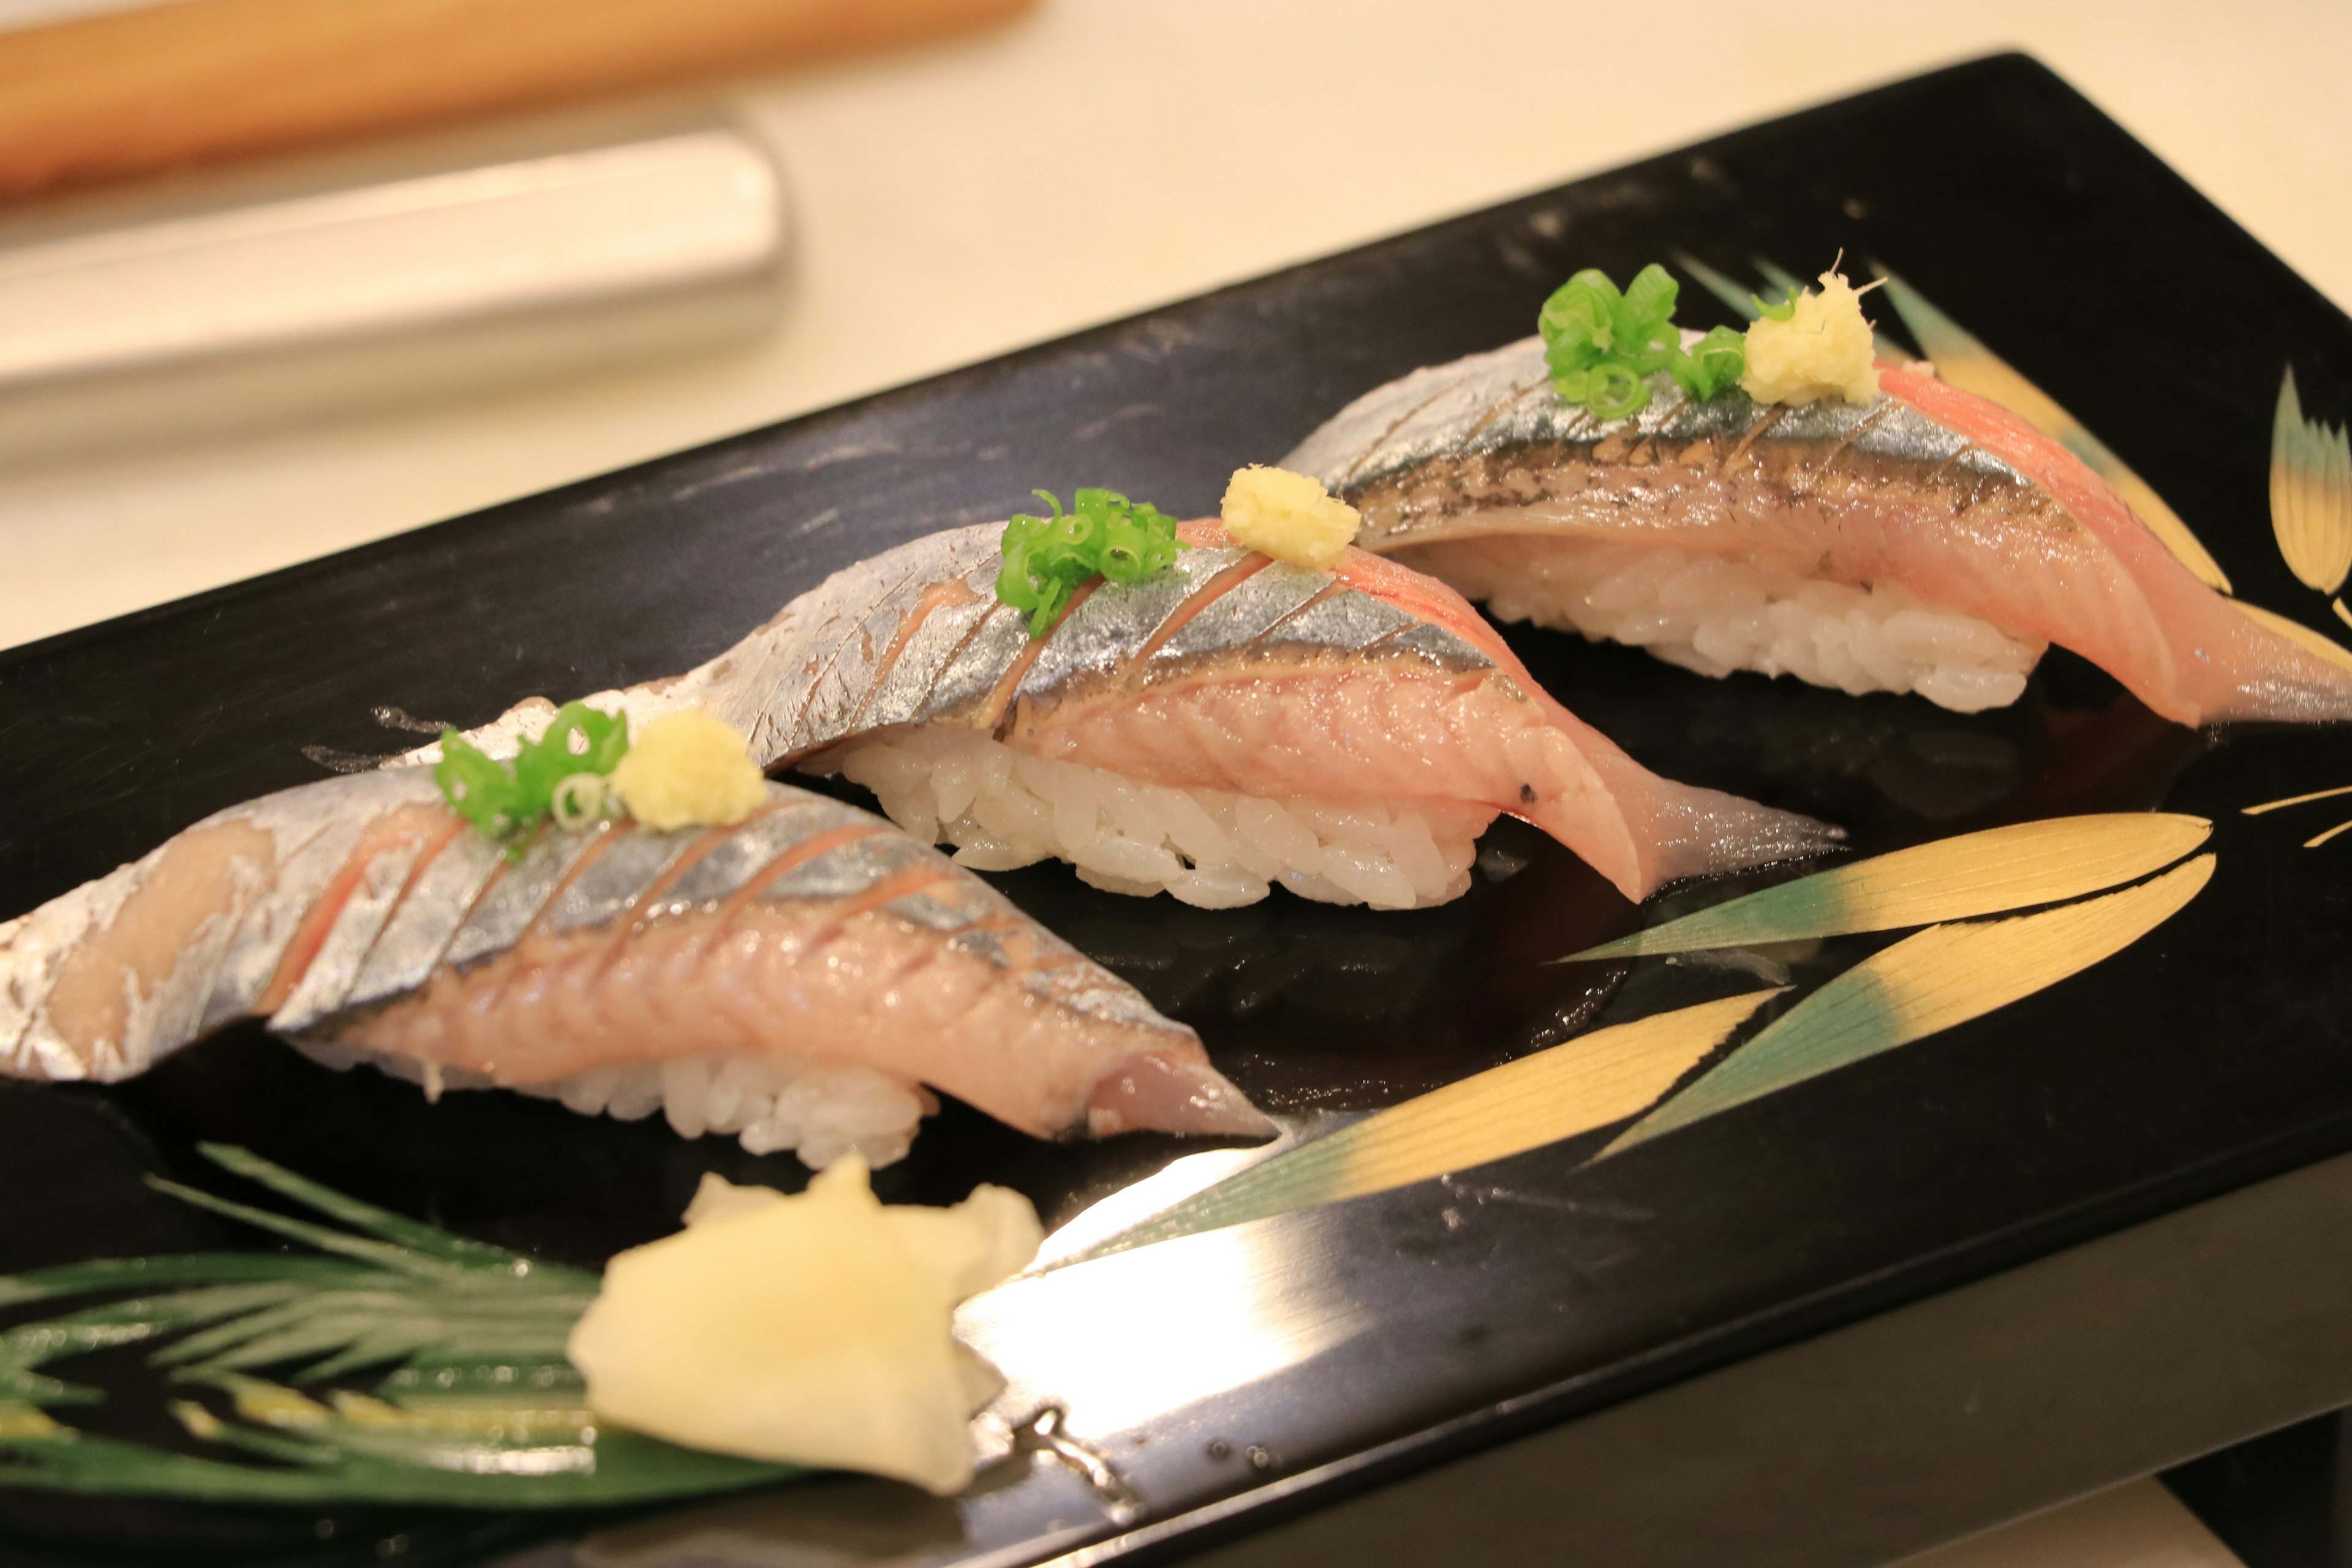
column 688, row 769
column 1822, row 349
column 1290, row 517
column 810, row 1330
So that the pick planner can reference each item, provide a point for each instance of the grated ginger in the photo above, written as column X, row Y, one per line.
column 1290, row 517
column 810, row 1330
column 688, row 769
column 1822, row 349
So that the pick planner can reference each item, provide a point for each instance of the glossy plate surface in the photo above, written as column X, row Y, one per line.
column 1438, row 1315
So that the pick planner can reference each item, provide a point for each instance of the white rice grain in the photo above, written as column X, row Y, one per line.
column 822, row 1111
column 1714, row 614
column 1004, row 808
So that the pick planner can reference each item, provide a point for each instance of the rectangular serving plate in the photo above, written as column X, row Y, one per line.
column 1292, row 1360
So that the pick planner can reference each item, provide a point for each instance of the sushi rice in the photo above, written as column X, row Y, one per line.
column 820, row 1110
column 1716, row 613
column 1004, row 808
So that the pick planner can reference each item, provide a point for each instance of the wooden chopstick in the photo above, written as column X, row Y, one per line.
column 134, row 92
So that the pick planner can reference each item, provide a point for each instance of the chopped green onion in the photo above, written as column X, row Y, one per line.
column 1603, row 345
column 1715, row 362
column 1103, row 534
column 1615, row 389
column 578, row 740
column 508, row 802
column 1650, row 299
column 579, row 799
column 1781, row 311
column 477, row 786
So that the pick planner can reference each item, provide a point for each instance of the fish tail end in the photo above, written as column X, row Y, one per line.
column 1157, row 1092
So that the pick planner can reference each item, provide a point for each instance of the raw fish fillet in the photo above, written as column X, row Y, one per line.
column 1478, row 473
column 360, row 914
column 1227, row 671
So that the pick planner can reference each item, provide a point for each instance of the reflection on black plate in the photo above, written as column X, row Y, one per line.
column 2212, row 1052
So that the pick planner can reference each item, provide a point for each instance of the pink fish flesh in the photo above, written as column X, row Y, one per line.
column 360, row 913
column 1477, row 472
column 1226, row 671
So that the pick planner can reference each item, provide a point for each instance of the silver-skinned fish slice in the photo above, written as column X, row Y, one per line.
column 1926, row 541
column 800, row 976
column 1226, row 724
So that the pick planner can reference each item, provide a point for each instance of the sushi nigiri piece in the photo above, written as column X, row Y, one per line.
column 797, row 979
column 1926, row 541
column 1227, row 723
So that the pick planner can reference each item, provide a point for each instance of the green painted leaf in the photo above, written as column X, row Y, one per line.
column 1987, row 873
column 474, row 1405
column 630, row 1468
column 1571, row 1089
column 2311, row 493
column 414, row 1234
column 186, row 1268
column 1924, row 983
column 382, row 1253
column 1741, row 302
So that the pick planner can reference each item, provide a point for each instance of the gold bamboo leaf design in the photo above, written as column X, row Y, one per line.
column 2295, row 632
column 2317, row 840
column 2311, row 493
column 2271, row 806
column 1926, row 983
column 1986, row 873
column 1963, row 361
column 1589, row 1082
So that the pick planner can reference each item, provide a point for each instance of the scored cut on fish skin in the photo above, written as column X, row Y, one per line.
column 1926, row 490
column 424, row 900
column 1500, row 402
column 843, row 659
column 916, row 636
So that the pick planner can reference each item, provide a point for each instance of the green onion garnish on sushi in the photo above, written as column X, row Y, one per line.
column 1103, row 534
column 1603, row 346
column 686, row 770
column 560, row 774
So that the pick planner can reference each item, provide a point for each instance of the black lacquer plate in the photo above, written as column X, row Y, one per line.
column 1434, row 1318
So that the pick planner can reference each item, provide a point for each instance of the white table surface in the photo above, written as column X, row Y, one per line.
column 1105, row 155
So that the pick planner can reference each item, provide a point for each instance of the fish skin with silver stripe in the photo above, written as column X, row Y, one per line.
column 1240, row 619
column 612, row 886
column 327, row 982
column 1478, row 406
column 314, row 840
column 514, row 898
column 839, row 660
column 1925, row 498
column 404, row 923
column 1100, row 636
column 748, row 850
column 421, row 929
column 849, row 869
